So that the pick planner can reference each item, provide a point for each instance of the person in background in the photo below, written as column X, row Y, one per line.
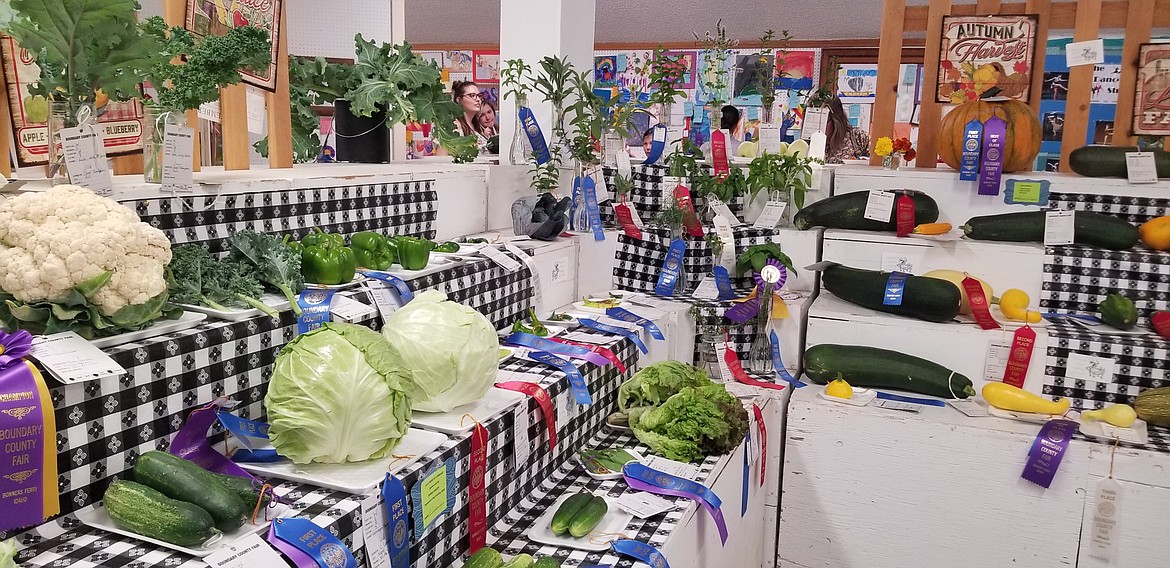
column 844, row 142
column 466, row 94
column 648, row 140
column 729, row 121
column 485, row 121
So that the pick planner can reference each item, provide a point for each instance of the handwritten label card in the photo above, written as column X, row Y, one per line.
column 85, row 159
column 178, row 152
column 879, row 206
column 70, row 358
column 1059, row 227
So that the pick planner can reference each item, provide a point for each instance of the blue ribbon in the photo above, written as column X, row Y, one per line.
column 895, row 286
column 541, row 344
column 671, row 267
column 632, row 336
column 747, row 474
column 972, row 144
column 576, row 381
column 672, row 482
column 242, row 427
column 314, row 309
column 625, row 315
column 778, row 363
column 397, row 522
column 589, row 188
column 723, row 282
column 657, row 144
column 910, row 399
column 318, row 543
column 535, row 137
column 399, row 284
column 641, row 551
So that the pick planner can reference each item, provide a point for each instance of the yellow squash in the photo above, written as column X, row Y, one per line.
column 932, row 229
column 1014, row 306
column 1007, row 397
column 956, row 277
column 1120, row 415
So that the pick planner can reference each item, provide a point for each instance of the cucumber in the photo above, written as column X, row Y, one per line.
column 588, row 517
column 1095, row 229
column 930, row 299
column 243, row 488
column 547, row 562
column 520, row 561
column 142, row 510
column 847, row 211
column 564, row 515
column 485, row 558
column 180, row 479
column 870, row 367
column 1109, row 161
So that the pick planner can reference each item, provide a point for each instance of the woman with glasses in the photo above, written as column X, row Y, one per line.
column 467, row 95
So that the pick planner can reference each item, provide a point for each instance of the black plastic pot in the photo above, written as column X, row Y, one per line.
column 360, row 139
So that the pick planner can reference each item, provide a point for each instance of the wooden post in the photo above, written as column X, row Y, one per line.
column 1138, row 26
column 988, row 7
column 1043, row 11
column 5, row 130
column 128, row 164
column 1080, row 83
column 889, row 63
column 233, row 120
column 930, row 116
column 280, row 153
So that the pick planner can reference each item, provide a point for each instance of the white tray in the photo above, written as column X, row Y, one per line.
column 435, row 264
column 275, row 301
column 97, row 517
column 359, row 477
column 861, row 397
column 1137, row 434
column 614, row 521
column 465, row 249
column 580, row 306
column 161, row 327
column 358, row 278
column 1029, row 417
column 493, row 402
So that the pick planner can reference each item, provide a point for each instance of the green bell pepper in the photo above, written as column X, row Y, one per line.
column 414, row 253
column 327, row 263
column 373, row 251
column 448, row 247
column 316, row 237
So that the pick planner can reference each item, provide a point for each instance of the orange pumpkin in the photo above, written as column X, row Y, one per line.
column 1021, row 145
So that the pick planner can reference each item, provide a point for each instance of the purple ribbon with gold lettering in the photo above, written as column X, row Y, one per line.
column 28, row 458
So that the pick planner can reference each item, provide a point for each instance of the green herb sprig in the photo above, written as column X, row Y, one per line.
column 210, row 63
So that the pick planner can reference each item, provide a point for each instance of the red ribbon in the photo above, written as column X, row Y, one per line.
column 740, row 375
column 477, row 498
column 683, row 196
column 533, row 390
column 978, row 303
column 719, row 153
column 763, row 442
column 905, row 215
column 626, row 219
column 603, row 351
column 1021, row 354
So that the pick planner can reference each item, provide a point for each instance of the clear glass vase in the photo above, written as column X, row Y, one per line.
column 62, row 115
column 665, row 119
column 579, row 213
column 680, row 285
column 156, row 119
column 709, row 337
column 784, row 196
column 521, row 150
column 760, row 354
column 766, row 113
column 892, row 162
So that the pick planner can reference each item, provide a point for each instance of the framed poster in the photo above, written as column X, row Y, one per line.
column 688, row 59
column 215, row 17
column 857, row 83
column 121, row 121
column 605, row 70
column 797, row 69
column 485, row 66
column 1151, row 109
column 979, row 53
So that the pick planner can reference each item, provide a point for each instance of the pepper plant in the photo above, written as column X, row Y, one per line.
column 776, row 172
column 666, row 73
column 514, row 79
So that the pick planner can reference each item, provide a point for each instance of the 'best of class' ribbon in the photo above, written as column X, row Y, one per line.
column 399, row 284
column 535, row 136
column 991, row 164
column 657, row 143
column 625, row 315
column 603, row 351
column 763, row 441
column 556, row 347
column 672, row 265
column 972, row 143
column 398, row 521
column 626, row 220
column 719, row 153
column 1048, row 450
column 314, row 309
column 312, row 541
column 576, row 381
column 895, row 286
column 477, row 493
column 644, row 478
column 640, row 550
column 682, row 195
column 604, row 327
column 28, row 468
column 778, row 363
column 1020, row 355
column 589, row 188
column 978, row 304
column 904, row 215
column 546, row 407
column 736, row 367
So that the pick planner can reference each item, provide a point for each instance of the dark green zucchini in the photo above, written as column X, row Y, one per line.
column 870, row 367
column 1109, row 161
column 180, row 479
column 929, row 299
column 1095, row 229
column 847, row 211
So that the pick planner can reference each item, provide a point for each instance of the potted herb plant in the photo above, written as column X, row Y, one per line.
column 784, row 178
column 208, row 65
column 666, row 73
column 766, row 75
column 671, row 218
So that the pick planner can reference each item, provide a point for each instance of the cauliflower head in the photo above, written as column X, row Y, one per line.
column 50, row 242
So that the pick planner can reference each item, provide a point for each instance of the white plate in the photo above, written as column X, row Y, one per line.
column 582, row 307
column 614, row 521
column 493, row 402
column 160, row 327
column 358, row 278
column 97, row 517
column 1001, row 320
column 861, row 397
column 1137, row 434
column 553, row 331
column 433, row 265
column 1030, row 417
column 359, row 477
column 275, row 301
column 465, row 249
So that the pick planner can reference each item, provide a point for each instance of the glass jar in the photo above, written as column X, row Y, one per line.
column 521, row 150
column 665, row 119
column 760, row 354
column 578, row 212
column 156, row 120
column 63, row 115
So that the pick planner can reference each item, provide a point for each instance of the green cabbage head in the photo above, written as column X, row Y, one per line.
column 453, row 350
column 338, row 394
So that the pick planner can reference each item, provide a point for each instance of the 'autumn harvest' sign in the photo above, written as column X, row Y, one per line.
column 982, row 52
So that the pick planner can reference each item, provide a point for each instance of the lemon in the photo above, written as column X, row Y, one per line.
column 839, row 388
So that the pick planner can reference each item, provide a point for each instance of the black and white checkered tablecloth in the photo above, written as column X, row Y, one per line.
column 649, row 195
column 400, row 208
column 639, row 261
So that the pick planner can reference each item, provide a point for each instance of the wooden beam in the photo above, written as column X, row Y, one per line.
column 1043, row 11
column 889, row 64
column 233, row 119
column 280, row 152
column 1064, row 14
column 1080, row 83
column 1137, row 32
column 931, row 112
column 748, row 43
column 987, row 7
